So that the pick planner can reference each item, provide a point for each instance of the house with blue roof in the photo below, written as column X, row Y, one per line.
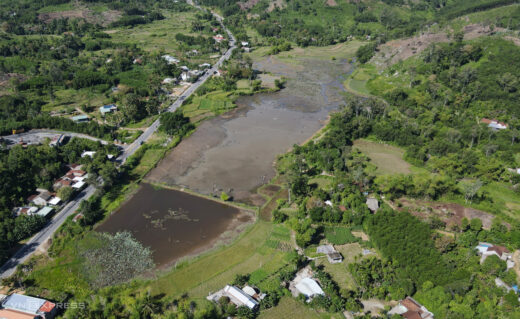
column 107, row 109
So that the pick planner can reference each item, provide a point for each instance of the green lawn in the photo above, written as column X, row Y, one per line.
column 387, row 158
column 357, row 82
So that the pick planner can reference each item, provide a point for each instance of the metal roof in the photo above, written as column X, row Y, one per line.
column 23, row 303
column 309, row 287
column 45, row 211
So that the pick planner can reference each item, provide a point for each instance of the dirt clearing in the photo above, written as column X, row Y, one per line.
column 104, row 18
column 397, row 50
column 450, row 213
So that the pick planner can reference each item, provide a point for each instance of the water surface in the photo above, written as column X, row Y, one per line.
column 172, row 223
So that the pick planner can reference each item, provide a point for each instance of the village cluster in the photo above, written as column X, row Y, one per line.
column 45, row 202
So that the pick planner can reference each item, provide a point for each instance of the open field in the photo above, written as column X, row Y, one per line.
column 351, row 253
column 158, row 35
column 387, row 158
column 208, row 105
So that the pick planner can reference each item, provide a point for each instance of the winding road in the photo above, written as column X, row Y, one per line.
column 46, row 233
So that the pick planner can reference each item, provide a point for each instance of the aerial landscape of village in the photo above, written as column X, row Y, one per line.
column 267, row 159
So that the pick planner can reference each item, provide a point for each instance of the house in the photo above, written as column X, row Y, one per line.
column 88, row 153
column 170, row 60
column 80, row 118
column 204, row 65
column 247, row 297
column 218, row 38
column 245, row 43
column 487, row 249
column 57, row 140
column 409, row 308
column 328, row 203
column 169, row 81
column 20, row 306
column 185, row 76
column 184, row 68
column 62, row 182
column 309, row 288
column 332, row 255
column 45, row 211
column 373, row 204
column 138, row 61
column 25, row 210
column 40, row 199
column 239, row 297
column 107, row 109
column 55, row 201
column 78, row 185
column 77, row 172
column 494, row 124
column 77, row 217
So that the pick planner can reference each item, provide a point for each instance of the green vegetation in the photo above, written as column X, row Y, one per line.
column 340, row 235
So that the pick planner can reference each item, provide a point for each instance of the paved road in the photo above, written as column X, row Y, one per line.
column 132, row 148
column 37, row 136
column 30, row 247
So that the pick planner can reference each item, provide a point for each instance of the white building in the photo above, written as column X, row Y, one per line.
column 170, row 59
column 239, row 297
column 410, row 308
column 309, row 287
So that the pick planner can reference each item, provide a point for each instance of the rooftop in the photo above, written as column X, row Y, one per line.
column 45, row 211
column 13, row 314
column 23, row 303
column 309, row 287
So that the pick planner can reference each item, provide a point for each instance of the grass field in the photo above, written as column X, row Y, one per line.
column 357, row 82
column 339, row 272
column 387, row 158
column 288, row 308
column 212, row 271
column 339, row 235
column 208, row 105
column 158, row 35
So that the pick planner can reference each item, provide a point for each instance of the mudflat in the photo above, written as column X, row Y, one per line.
column 235, row 152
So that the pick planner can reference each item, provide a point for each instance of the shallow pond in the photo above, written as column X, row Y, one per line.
column 175, row 224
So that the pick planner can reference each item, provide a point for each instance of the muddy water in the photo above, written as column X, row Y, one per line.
column 175, row 224
column 235, row 152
